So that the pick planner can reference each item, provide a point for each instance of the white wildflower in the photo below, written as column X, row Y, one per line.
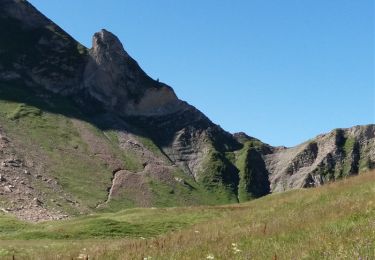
column 235, row 248
column 210, row 256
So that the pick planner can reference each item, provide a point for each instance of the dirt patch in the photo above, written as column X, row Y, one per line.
column 98, row 146
column 132, row 186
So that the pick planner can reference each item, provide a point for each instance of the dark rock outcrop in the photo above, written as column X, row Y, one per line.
column 36, row 50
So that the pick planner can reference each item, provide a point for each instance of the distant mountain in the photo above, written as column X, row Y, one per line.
column 83, row 130
column 327, row 157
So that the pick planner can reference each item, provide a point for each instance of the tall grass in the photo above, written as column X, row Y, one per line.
column 336, row 221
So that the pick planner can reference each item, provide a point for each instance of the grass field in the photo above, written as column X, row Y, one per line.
column 336, row 221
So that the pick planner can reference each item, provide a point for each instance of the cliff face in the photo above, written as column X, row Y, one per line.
column 113, row 78
column 88, row 129
column 328, row 157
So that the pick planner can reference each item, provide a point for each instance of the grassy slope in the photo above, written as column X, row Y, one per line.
column 336, row 221
column 42, row 125
column 53, row 137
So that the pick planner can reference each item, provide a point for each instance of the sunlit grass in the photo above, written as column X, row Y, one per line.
column 336, row 221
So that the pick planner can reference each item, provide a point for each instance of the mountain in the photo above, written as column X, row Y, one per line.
column 328, row 157
column 85, row 130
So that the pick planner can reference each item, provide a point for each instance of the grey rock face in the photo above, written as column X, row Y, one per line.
column 186, row 137
column 340, row 153
column 112, row 77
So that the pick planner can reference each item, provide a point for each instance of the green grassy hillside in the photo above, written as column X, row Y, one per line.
column 80, row 151
column 336, row 221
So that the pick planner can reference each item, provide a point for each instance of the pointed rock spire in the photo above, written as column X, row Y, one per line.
column 117, row 81
column 106, row 45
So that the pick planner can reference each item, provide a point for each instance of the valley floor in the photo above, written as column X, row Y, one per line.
column 336, row 221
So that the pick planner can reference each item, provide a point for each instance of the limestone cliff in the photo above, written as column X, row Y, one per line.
column 113, row 78
column 340, row 153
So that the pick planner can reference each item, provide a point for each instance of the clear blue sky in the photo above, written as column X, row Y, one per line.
column 280, row 70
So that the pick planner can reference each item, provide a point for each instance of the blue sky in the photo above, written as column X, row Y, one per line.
column 283, row 71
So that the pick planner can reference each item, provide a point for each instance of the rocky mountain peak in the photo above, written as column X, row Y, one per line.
column 116, row 80
column 34, row 47
column 107, row 46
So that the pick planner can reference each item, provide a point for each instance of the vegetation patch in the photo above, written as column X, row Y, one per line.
column 349, row 145
column 23, row 110
column 254, row 181
column 219, row 176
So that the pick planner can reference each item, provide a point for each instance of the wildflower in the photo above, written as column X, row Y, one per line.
column 142, row 238
column 235, row 248
column 210, row 256
column 147, row 258
column 196, row 231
